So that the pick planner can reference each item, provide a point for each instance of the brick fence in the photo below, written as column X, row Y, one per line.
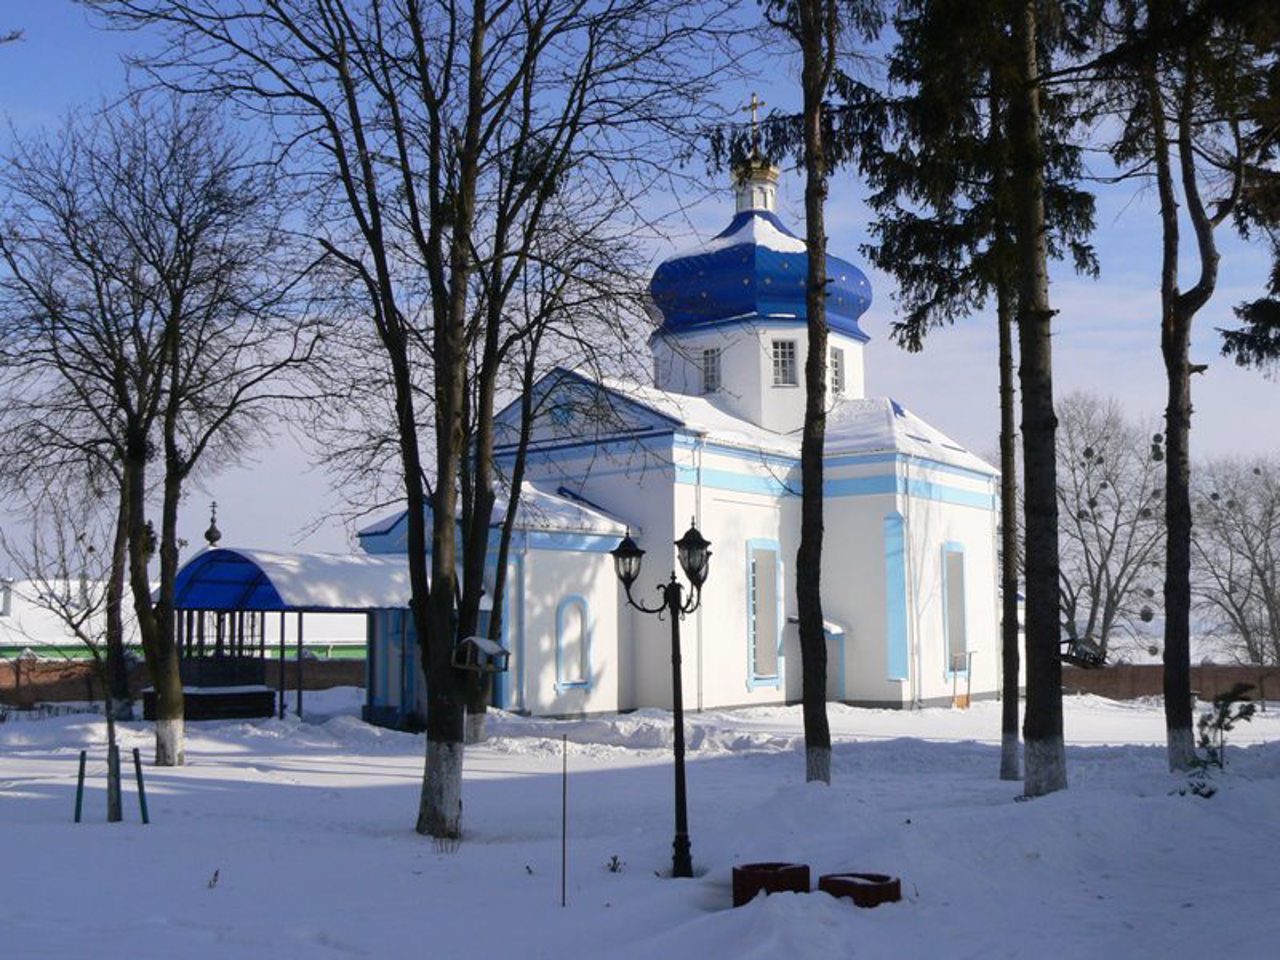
column 1131, row 680
column 25, row 682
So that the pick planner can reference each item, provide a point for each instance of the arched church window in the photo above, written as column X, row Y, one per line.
column 573, row 643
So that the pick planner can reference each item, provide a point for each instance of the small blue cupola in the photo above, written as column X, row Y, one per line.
column 734, row 313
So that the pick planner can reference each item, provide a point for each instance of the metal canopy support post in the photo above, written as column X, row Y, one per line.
column 370, row 664
column 299, row 664
column 282, row 616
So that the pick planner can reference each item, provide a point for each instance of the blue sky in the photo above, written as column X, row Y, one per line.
column 1107, row 335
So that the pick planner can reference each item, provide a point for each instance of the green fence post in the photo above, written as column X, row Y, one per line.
column 142, row 792
column 84, row 755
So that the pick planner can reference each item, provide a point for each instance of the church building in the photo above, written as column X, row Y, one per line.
column 909, row 572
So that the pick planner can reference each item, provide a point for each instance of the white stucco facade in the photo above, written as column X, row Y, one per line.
column 909, row 563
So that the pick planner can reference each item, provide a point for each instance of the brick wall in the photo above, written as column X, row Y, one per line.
column 25, row 682
column 1128, row 681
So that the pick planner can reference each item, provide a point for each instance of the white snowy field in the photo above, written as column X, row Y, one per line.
column 309, row 827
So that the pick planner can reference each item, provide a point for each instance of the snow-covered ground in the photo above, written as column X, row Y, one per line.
column 309, row 828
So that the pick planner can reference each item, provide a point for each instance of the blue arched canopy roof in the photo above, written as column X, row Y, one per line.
column 236, row 579
column 754, row 268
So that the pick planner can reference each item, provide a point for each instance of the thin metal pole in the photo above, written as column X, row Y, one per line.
column 282, row 616
column 681, row 860
column 564, row 814
column 299, row 665
column 142, row 791
column 84, row 756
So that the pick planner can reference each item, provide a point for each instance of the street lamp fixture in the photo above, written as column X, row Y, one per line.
column 692, row 549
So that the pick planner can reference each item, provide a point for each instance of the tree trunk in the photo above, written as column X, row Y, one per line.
column 1010, row 767
column 119, row 699
column 814, row 43
column 1175, row 343
column 162, row 658
column 1045, row 757
column 475, row 728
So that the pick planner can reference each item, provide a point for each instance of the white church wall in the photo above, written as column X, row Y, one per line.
column 569, row 643
column 746, row 388
column 781, row 407
column 936, row 528
column 855, row 589
column 678, row 367
column 718, row 660
column 633, row 483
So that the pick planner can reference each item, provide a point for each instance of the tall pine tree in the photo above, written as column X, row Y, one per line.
column 945, row 228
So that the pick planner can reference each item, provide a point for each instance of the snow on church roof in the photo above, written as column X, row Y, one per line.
column 881, row 423
column 562, row 511
column 854, row 426
column 539, row 510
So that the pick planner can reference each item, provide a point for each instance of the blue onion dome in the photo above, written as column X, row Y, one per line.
column 754, row 268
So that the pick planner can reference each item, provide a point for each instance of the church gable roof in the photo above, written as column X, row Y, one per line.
column 568, row 407
column 870, row 424
column 616, row 409
column 540, row 511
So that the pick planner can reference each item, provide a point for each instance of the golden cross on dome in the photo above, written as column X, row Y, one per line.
column 753, row 108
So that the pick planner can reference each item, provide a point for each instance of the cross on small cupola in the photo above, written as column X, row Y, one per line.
column 213, row 534
column 755, row 180
column 753, row 108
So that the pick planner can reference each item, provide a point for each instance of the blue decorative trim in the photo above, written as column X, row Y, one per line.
column 877, row 485
column 554, row 450
column 756, row 680
column 928, row 490
column 735, row 482
column 684, row 440
column 953, row 546
column 579, row 601
column 897, row 641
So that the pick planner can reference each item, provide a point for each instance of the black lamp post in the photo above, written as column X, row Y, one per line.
column 694, row 557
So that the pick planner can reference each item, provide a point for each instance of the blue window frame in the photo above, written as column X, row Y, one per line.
column 954, row 628
column 764, row 613
column 573, row 643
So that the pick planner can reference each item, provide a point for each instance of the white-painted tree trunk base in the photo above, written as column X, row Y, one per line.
column 1046, row 762
column 440, row 809
column 474, row 731
column 817, row 764
column 1010, row 768
column 170, row 743
column 1182, row 749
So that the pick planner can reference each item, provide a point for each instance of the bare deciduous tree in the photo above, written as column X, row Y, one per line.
column 70, row 572
column 1236, row 544
column 1185, row 78
column 145, row 321
column 1112, row 525
column 433, row 137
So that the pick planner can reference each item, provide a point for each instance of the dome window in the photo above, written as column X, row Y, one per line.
column 711, row 370
column 784, row 364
